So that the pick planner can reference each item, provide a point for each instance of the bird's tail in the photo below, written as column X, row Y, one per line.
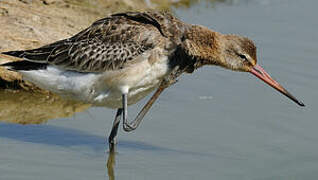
column 21, row 65
column 18, row 54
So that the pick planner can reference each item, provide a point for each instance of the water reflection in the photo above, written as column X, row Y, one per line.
column 34, row 108
column 111, row 161
column 68, row 137
column 72, row 138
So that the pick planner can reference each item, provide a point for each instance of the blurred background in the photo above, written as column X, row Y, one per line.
column 213, row 124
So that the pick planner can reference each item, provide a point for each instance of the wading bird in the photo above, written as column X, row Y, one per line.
column 120, row 59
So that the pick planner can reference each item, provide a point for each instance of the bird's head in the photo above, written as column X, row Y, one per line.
column 231, row 52
column 236, row 53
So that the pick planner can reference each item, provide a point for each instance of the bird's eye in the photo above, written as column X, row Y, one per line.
column 242, row 56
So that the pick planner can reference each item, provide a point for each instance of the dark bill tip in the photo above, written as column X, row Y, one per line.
column 259, row 72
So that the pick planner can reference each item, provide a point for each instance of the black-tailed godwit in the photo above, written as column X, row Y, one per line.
column 120, row 59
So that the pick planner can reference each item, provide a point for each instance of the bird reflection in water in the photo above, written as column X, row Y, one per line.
column 111, row 161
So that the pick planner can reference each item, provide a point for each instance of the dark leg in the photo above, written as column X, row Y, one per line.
column 168, row 81
column 130, row 126
column 113, row 133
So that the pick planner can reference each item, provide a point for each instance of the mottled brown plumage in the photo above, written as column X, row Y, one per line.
column 109, row 43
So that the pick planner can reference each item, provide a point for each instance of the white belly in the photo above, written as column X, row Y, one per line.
column 102, row 89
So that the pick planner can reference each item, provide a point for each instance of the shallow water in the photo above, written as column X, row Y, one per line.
column 213, row 124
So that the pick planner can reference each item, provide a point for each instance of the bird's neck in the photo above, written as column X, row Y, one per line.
column 203, row 45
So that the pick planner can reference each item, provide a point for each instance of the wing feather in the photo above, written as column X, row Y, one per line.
column 106, row 45
column 109, row 43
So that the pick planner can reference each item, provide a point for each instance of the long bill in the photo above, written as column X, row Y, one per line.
column 259, row 72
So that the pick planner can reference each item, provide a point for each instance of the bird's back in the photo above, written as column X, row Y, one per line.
column 108, row 44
